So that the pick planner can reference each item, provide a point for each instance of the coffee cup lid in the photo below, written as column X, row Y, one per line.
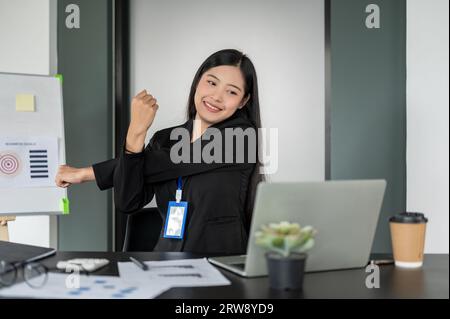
column 409, row 218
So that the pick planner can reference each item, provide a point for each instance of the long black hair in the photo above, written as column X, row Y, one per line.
column 250, row 110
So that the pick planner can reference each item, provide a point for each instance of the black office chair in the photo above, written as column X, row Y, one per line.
column 142, row 230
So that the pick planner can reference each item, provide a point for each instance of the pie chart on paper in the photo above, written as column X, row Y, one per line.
column 9, row 164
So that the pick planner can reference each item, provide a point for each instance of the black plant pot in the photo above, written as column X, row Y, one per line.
column 286, row 273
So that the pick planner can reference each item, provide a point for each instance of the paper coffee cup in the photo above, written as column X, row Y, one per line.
column 408, row 239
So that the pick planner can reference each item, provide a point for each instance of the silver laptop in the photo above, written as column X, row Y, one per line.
column 345, row 214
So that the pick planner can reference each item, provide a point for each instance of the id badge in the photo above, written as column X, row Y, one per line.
column 176, row 218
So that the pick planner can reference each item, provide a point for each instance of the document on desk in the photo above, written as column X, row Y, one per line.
column 176, row 273
column 72, row 286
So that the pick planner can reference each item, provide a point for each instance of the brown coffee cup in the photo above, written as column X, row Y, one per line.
column 408, row 239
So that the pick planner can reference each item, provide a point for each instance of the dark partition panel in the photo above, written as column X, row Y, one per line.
column 368, row 101
column 85, row 60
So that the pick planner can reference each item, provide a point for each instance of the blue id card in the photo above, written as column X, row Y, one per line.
column 176, row 219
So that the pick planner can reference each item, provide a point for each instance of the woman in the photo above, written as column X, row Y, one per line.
column 219, row 195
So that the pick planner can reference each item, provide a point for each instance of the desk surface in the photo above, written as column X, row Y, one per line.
column 431, row 281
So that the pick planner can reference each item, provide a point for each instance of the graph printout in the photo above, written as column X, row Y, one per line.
column 28, row 162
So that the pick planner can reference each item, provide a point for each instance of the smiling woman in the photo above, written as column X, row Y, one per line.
column 214, row 201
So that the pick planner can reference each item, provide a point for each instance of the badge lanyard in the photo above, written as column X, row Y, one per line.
column 176, row 214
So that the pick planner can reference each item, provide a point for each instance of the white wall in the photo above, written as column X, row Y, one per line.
column 28, row 45
column 427, row 118
column 285, row 41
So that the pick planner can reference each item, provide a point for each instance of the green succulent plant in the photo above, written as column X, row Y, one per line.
column 285, row 238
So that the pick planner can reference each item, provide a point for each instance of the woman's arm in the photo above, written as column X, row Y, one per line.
column 68, row 175
column 102, row 173
column 130, row 191
column 143, row 110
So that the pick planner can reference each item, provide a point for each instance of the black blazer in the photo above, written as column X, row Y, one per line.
column 216, row 193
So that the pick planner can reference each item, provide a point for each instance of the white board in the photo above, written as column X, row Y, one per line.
column 46, row 122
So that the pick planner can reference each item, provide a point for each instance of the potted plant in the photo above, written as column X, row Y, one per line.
column 285, row 244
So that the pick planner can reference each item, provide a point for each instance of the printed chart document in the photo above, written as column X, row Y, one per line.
column 69, row 286
column 28, row 162
column 133, row 283
column 175, row 273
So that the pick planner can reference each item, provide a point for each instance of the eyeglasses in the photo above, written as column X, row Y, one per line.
column 34, row 274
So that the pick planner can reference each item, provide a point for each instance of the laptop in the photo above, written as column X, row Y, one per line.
column 19, row 253
column 344, row 213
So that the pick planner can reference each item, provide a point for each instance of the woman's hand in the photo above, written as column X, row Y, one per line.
column 68, row 175
column 143, row 111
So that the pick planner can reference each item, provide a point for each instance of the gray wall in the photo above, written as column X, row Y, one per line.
column 427, row 118
column 85, row 60
column 368, row 108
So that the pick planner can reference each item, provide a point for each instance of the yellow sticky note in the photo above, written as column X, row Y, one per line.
column 25, row 103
